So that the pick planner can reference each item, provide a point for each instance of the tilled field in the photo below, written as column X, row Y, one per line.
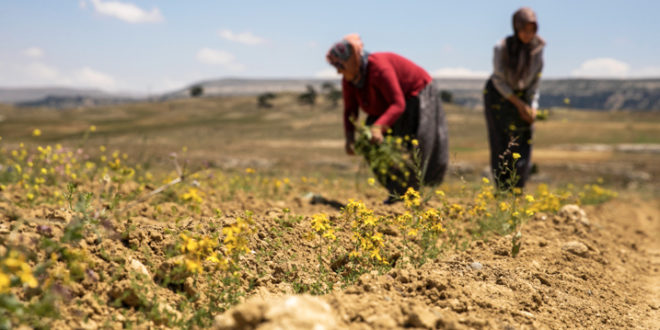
column 586, row 267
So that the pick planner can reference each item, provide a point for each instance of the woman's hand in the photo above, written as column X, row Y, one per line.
column 532, row 114
column 527, row 113
column 377, row 134
column 350, row 147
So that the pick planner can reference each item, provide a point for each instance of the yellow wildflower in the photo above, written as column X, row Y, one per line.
column 36, row 132
column 370, row 220
column 191, row 245
column 411, row 198
column 193, row 266
column 377, row 237
column 516, row 155
column 431, row 214
column 5, row 282
column 193, row 195
column 375, row 254
column 320, row 222
column 330, row 234
column 25, row 274
column 213, row 258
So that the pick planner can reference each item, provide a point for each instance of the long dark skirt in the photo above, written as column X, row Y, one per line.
column 508, row 134
column 424, row 120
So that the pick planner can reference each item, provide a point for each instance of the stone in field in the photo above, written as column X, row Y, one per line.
column 575, row 247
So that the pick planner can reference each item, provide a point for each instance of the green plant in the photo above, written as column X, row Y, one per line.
column 395, row 161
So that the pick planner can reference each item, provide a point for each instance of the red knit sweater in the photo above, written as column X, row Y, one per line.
column 391, row 79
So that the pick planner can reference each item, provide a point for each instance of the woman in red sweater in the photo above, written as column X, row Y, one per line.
column 398, row 97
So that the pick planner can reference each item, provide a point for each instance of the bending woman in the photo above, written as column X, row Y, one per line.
column 399, row 99
column 511, row 99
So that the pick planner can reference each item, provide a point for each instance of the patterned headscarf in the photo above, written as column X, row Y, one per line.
column 342, row 51
column 350, row 48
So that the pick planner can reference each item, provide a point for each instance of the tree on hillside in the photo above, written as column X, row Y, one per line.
column 308, row 97
column 446, row 96
column 327, row 87
column 196, row 91
column 263, row 100
column 331, row 93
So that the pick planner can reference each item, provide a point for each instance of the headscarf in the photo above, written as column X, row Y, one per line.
column 350, row 48
column 519, row 55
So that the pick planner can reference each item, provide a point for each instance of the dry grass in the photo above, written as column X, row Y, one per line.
column 234, row 132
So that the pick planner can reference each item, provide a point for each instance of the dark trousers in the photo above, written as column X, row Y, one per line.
column 508, row 134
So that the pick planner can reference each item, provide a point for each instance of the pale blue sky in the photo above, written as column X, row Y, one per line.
column 150, row 46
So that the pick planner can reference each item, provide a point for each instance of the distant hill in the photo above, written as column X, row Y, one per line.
column 17, row 95
column 588, row 94
column 65, row 102
column 635, row 95
column 56, row 97
column 238, row 86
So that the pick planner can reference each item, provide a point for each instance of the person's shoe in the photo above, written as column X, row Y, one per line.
column 391, row 200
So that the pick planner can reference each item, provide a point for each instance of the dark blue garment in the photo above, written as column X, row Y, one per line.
column 507, row 134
